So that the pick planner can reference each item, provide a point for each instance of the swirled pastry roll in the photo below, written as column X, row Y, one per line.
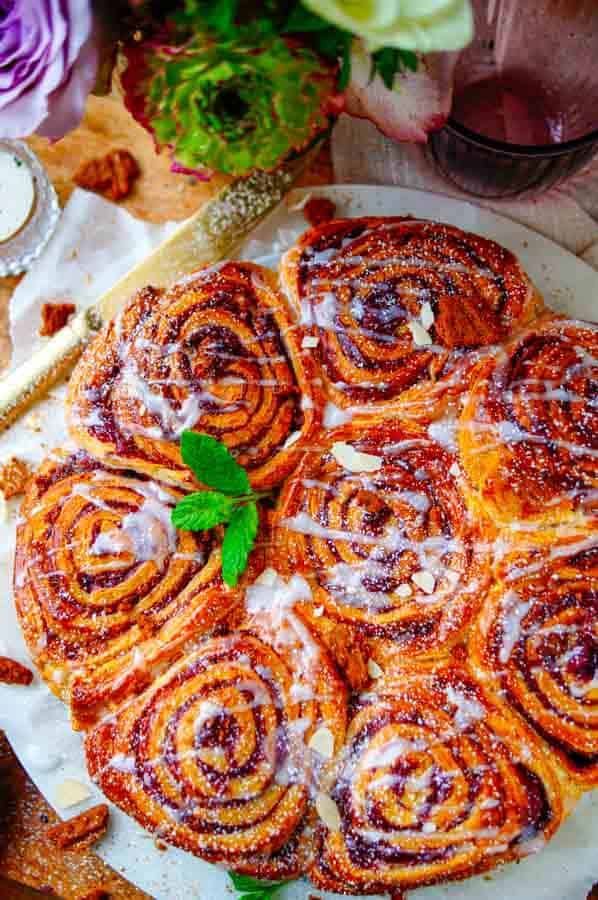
column 437, row 781
column 398, row 306
column 106, row 590
column 376, row 522
column 528, row 433
column 217, row 353
column 215, row 756
column 536, row 641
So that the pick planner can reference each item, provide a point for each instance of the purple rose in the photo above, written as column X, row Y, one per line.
column 48, row 62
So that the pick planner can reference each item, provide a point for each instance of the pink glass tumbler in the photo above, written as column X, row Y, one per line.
column 525, row 106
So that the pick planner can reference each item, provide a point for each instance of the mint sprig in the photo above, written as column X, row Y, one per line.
column 231, row 502
column 253, row 889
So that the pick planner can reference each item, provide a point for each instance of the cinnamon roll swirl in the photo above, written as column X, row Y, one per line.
column 217, row 353
column 436, row 782
column 219, row 755
column 106, row 590
column 398, row 305
column 528, row 433
column 376, row 522
column 536, row 641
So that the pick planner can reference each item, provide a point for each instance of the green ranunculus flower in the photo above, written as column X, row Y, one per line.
column 230, row 106
column 422, row 25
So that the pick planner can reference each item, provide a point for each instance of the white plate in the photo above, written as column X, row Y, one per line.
column 37, row 724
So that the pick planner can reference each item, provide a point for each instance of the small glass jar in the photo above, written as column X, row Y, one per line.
column 36, row 221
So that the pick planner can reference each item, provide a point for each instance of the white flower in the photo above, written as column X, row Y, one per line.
column 423, row 25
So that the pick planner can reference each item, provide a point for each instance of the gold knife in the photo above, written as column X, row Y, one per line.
column 211, row 234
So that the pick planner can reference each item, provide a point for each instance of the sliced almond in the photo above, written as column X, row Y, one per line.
column 426, row 315
column 420, row 336
column 428, row 828
column 328, row 812
column 322, row 741
column 318, row 611
column 71, row 792
column 455, row 470
column 292, row 439
column 268, row 577
column 374, row 669
column 310, row 341
column 404, row 590
column 425, row 581
column 354, row 460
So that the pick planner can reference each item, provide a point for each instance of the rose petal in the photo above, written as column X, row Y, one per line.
column 419, row 103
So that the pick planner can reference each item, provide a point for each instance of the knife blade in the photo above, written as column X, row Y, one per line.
column 210, row 235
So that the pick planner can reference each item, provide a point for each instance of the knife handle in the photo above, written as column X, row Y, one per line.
column 29, row 381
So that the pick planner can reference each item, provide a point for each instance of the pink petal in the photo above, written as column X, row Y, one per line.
column 419, row 103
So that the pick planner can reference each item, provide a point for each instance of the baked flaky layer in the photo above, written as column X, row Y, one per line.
column 217, row 353
column 436, row 781
column 215, row 757
column 106, row 589
column 401, row 308
column 536, row 641
column 391, row 552
column 528, row 432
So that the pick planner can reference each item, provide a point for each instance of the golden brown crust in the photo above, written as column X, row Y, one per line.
column 107, row 591
column 437, row 781
column 217, row 353
column 528, row 433
column 213, row 756
column 536, row 642
column 400, row 307
column 80, row 832
column 391, row 552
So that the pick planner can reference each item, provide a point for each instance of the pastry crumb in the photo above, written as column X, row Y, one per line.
column 54, row 317
column 14, row 476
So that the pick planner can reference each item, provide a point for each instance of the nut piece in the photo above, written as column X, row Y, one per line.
column 353, row 460
column 71, row 792
column 404, row 590
column 454, row 470
column 112, row 175
column 310, row 340
column 319, row 210
column 327, row 810
column 14, row 476
column 322, row 741
column 425, row 581
column 426, row 315
column 420, row 336
column 54, row 317
column 81, row 831
column 13, row 672
column 374, row 669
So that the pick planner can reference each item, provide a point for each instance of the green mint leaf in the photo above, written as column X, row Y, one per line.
column 254, row 889
column 219, row 17
column 238, row 542
column 213, row 464
column 196, row 512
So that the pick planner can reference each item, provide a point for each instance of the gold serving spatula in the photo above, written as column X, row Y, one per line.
column 208, row 236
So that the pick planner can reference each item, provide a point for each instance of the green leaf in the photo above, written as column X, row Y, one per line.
column 213, row 463
column 344, row 75
column 253, row 889
column 408, row 59
column 390, row 60
column 203, row 510
column 304, row 20
column 238, row 542
column 219, row 17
